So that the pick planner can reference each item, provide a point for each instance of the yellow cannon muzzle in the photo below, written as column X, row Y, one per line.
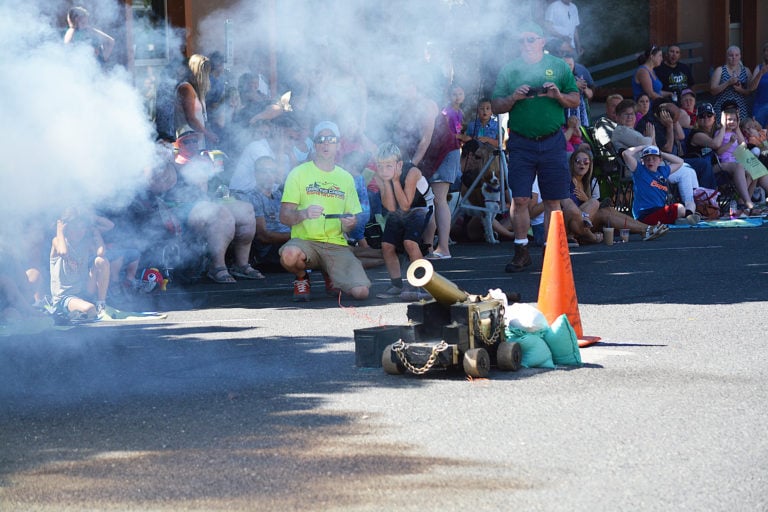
column 421, row 274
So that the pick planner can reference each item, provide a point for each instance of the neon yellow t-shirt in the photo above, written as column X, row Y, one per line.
column 333, row 190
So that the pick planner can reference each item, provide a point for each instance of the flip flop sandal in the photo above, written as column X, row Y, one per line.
column 221, row 275
column 436, row 255
column 246, row 272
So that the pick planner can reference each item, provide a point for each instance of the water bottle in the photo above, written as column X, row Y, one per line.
column 733, row 208
column 222, row 192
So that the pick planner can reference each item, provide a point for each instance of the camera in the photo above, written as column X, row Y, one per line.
column 536, row 91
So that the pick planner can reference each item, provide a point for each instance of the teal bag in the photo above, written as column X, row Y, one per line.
column 536, row 353
column 562, row 341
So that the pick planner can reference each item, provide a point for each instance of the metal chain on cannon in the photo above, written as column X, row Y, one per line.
column 399, row 348
column 496, row 332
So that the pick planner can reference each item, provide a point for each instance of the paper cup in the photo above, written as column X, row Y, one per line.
column 624, row 233
column 608, row 236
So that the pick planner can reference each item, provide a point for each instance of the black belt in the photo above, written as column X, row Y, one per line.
column 539, row 138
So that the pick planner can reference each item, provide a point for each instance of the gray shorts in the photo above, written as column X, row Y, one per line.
column 449, row 169
column 338, row 261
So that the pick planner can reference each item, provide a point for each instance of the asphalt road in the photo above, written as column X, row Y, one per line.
column 243, row 400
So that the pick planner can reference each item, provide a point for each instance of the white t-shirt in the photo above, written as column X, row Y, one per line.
column 564, row 19
column 539, row 219
column 243, row 177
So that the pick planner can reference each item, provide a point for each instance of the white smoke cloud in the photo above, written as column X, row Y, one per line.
column 71, row 132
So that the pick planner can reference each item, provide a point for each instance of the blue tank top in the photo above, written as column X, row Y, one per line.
column 637, row 89
column 761, row 93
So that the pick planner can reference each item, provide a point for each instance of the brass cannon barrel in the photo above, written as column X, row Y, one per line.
column 421, row 274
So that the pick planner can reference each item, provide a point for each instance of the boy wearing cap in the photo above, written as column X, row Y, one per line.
column 320, row 203
column 650, row 178
column 534, row 89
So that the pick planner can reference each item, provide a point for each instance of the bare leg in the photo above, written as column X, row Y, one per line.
column 442, row 217
column 294, row 261
column 99, row 282
column 739, row 176
column 429, row 233
column 575, row 223
column 245, row 230
column 611, row 217
column 114, row 269
column 217, row 225
column 521, row 221
column 550, row 205
column 359, row 292
column 391, row 261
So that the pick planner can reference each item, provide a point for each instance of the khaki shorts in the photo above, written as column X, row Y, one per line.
column 338, row 261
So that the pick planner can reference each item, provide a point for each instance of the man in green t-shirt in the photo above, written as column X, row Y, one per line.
column 320, row 203
column 534, row 89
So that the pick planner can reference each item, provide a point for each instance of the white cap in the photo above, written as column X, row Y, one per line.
column 650, row 150
column 326, row 125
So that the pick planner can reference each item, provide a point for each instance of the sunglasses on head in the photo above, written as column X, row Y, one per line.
column 529, row 39
column 329, row 139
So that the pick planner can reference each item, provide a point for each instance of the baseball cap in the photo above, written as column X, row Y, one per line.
column 687, row 91
column 531, row 27
column 326, row 125
column 705, row 108
column 650, row 150
column 186, row 147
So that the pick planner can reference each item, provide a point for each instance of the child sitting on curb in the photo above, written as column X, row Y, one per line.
column 78, row 266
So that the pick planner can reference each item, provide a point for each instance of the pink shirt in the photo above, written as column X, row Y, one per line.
column 728, row 155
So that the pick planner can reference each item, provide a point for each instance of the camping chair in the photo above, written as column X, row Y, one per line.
column 611, row 172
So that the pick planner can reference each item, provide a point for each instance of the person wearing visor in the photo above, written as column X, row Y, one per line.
column 320, row 203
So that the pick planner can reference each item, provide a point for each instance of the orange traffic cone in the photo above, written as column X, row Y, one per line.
column 557, row 293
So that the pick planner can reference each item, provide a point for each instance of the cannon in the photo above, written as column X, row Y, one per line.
column 454, row 329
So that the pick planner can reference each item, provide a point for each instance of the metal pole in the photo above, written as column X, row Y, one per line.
column 502, row 169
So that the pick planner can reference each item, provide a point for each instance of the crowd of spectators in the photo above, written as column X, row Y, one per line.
column 248, row 183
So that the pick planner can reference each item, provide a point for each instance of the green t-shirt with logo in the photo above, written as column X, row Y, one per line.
column 536, row 116
column 334, row 190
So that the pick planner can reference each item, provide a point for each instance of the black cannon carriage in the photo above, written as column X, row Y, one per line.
column 454, row 329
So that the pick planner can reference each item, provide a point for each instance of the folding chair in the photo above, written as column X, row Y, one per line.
column 611, row 172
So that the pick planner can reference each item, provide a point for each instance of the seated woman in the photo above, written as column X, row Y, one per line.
column 221, row 223
column 643, row 106
column 706, row 139
column 645, row 80
column 585, row 194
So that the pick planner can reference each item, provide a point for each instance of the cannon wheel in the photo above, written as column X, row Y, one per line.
column 477, row 362
column 390, row 366
column 509, row 355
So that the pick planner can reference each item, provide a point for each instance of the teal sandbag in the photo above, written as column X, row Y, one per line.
column 563, row 343
column 536, row 353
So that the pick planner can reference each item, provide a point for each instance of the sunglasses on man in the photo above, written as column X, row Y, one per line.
column 329, row 139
